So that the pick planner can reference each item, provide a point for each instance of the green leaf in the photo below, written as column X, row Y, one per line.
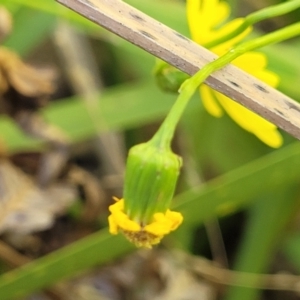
column 291, row 248
column 27, row 34
column 268, row 220
column 238, row 188
column 95, row 249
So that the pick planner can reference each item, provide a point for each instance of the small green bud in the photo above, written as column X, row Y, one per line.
column 168, row 78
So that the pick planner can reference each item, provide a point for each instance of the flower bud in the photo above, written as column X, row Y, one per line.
column 168, row 78
column 150, row 181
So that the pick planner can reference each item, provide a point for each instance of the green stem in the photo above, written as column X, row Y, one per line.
column 162, row 138
column 263, row 14
column 164, row 135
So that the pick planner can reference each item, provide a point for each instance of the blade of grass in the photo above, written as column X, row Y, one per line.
column 236, row 189
column 27, row 35
column 289, row 69
column 268, row 219
column 291, row 248
column 51, row 8
column 98, row 248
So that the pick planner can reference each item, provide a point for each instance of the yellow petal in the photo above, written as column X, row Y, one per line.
column 227, row 28
column 209, row 102
column 113, row 227
column 120, row 220
column 272, row 137
column 160, row 227
column 263, row 129
column 268, row 77
column 255, row 63
column 175, row 217
column 164, row 223
column 203, row 16
column 251, row 61
column 213, row 12
column 118, row 206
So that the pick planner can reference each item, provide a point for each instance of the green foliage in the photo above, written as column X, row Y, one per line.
column 98, row 248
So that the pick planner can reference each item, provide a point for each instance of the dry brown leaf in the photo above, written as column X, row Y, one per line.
column 24, row 207
column 22, row 87
column 94, row 193
column 181, row 282
column 53, row 160
column 144, row 275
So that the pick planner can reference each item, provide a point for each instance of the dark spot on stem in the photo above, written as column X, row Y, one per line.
column 279, row 112
column 234, row 83
column 147, row 34
column 291, row 105
column 137, row 17
column 261, row 88
column 90, row 3
column 181, row 36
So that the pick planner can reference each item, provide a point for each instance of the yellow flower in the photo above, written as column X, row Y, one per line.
column 142, row 235
column 205, row 18
column 143, row 215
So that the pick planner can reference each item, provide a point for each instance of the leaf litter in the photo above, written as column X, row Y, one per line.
column 30, row 202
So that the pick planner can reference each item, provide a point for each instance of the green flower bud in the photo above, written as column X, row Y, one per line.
column 150, row 181
column 168, row 78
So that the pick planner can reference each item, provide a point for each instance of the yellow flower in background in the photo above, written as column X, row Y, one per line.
column 206, row 21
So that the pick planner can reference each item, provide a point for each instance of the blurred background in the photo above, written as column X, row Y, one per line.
column 73, row 99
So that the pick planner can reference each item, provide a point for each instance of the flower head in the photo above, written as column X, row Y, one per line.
column 142, row 235
column 143, row 216
column 207, row 23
